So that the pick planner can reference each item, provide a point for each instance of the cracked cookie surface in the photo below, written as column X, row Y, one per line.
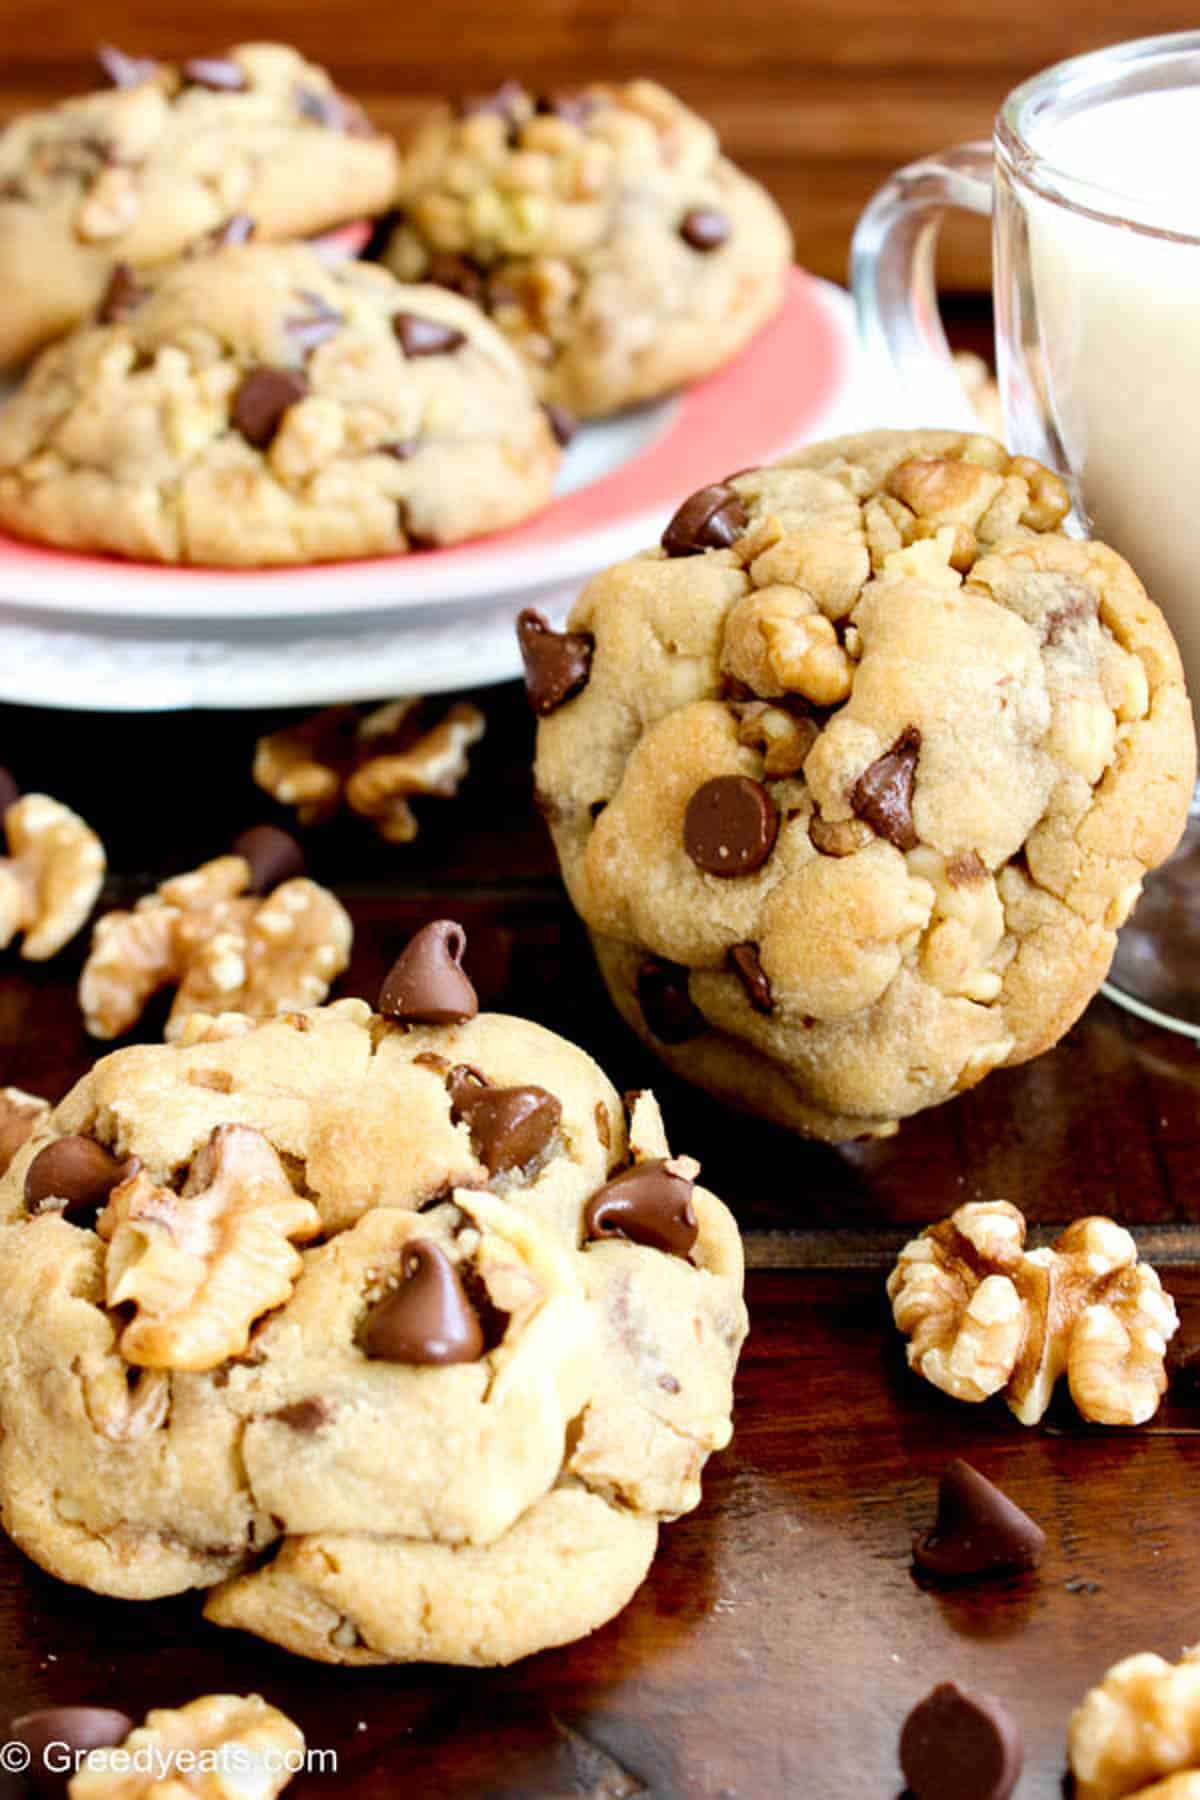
column 603, row 231
column 370, row 1328
column 861, row 774
column 258, row 405
column 139, row 172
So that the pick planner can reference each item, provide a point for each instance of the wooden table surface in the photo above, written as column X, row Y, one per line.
column 781, row 1636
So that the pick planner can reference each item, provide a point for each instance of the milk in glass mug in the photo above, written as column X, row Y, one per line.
column 1091, row 182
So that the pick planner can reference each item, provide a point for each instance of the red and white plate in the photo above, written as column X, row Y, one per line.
column 103, row 633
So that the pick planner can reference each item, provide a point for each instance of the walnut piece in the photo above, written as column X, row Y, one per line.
column 1140, row 1724
column 19, row 1117
column 983, row 1315
column 224, row 1746
column 223, row 949
column 374, row 763
column 51, row 878
column 202, row 1265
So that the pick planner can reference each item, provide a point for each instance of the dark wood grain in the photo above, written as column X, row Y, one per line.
column 819, row 101
column 781, row 1636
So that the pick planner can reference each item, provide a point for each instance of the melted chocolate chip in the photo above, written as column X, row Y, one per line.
column 562, row 423
column 666, row 1005
column 704, row 229
column 730, row 826
column 509, row 1127
column 428, row 984
column 262, row 399
column 978, row 1530
column 428, row 1319
column 238, row 228
column 215, row 72
column 648, row 1204
column 74, row 1176
column 710, row 519
column 743, row 959
column 557, row 663
column 960, row 1746
column 10, row 793
column 305, row 1416
column 317, row 325
column 425, row 337
column 122, row 294
column 459, row 275
column 123, row 70
column 883, row 794
column 80, row 1728
column 509, row 101
column 274, row 856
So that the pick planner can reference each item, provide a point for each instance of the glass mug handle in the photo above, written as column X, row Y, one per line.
column 892, row 265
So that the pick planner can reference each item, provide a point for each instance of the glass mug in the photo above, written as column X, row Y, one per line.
column 1090, row 183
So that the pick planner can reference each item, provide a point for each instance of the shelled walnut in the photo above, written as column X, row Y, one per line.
column 19, row 1116
column 985, row 1316
column 224, row 1746
column 1137, row 1733
column 224, row 949
column 374, row 763
column 51, row 878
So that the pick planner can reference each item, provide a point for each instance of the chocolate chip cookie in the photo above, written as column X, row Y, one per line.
column 602, row 230
column 258, row 406
column 398, row 1331
column 255, row 139
column 854, row 778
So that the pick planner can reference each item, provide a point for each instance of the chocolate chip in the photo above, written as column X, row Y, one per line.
column 562, row 423
column 704, row 228
column 10, row 793
column 274, row 856
column 730, row 825
column 710, row 519
column 122, row 294
column 509, row 101
column 316, row 326
column 262, row 399
column 573, row 107
column 978, row 1529
column 882, row 795
column 458, row 274
column 744, row 961
column 557, row 663
column 648, row 1204
column 666, row 1005
column 425, row 337
column 123, row 70
column 80, row 1728
column 305, row 1416
column 238, row 228
column 76, row 1171
column 509, row 1126
column 960, row 1746
column 428, row 1319
column 428, row 984
column 215, row 72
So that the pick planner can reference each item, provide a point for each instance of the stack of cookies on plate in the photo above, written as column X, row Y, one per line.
column 215, row 384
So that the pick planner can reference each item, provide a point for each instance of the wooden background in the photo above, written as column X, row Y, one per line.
column 819, row 98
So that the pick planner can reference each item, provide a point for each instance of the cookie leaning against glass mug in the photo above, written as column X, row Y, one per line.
column 854, row 777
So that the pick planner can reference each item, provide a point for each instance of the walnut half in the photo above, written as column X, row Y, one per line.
column 1139, row 1729
column 202, row 1265
column 224, row 1746
column 985, row 1316
column 51, row 878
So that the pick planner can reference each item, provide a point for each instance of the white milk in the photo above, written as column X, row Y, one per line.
column 1119, row 328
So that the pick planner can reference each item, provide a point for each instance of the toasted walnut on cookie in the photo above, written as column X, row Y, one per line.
column 602, row 230
column 983, row 1315
column 396, row 1330
column 853, row 780
column 242, row 1748
column 374, row 762
column 223, row 949
column 1137, row 1733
